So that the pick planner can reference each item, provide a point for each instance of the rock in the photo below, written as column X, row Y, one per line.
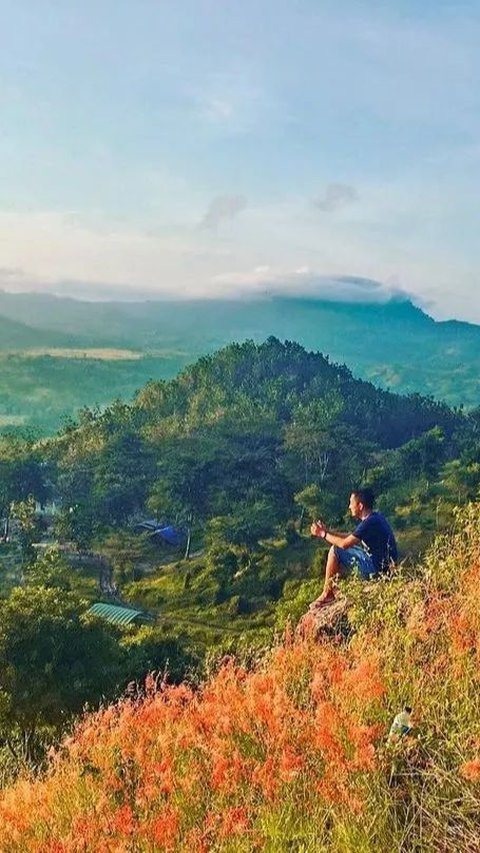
column 326, row 621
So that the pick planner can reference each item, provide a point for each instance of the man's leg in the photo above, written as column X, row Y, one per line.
column 331, row 572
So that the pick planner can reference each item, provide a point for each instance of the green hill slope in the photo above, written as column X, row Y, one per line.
column 15, row 335
column 237, row 435
column 395, row 344
column 239, row 453
column 43, row 391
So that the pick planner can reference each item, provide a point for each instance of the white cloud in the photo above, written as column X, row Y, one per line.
column 304, row 281
column 46, row 249
column 223, row 207
column 217, row 109
column 335, row 196
column 390, row 237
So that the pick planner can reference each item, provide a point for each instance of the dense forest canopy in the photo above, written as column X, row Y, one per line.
column 254, row 422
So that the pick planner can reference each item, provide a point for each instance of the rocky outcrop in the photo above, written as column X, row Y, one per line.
column 329, row 621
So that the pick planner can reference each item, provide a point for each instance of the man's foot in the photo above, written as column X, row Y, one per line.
column 323, row 600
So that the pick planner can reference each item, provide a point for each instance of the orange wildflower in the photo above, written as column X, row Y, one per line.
column 363, row 681
column 291, row 763
column 123, row 820
column 164, row 829
column 266, row 778
column 235, row 821
column 471, row 770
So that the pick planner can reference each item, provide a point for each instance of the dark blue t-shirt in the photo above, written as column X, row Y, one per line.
column 378, row 539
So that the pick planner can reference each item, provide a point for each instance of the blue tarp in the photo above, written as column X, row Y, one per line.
column 170, row 535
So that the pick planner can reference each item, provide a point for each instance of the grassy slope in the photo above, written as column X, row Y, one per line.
column 42, row 391
column 293, row 752
column 192, row 612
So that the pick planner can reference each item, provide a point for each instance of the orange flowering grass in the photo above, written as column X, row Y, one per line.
column 471, row 770
column 294, row 753
column 194, row 768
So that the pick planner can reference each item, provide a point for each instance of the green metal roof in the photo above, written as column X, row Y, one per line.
column 119, row 615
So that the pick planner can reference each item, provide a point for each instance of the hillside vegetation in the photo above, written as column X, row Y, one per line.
column 247, row 439
column 16, row 335
column 291, row 753
column 42, row 389
column 239, row 452
column 394, row 344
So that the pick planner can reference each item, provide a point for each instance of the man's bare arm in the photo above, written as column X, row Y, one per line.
column 341, row 540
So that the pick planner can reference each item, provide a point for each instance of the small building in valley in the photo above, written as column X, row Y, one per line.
column 119, row 615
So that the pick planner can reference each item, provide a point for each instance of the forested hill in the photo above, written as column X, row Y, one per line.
column 241, row 434
column 19, row 336
column 281, row 380
column 394, row 344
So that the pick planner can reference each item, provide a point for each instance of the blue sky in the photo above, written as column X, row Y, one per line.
column 217, row 147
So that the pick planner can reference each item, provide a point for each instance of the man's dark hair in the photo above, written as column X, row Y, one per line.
column 365, row 496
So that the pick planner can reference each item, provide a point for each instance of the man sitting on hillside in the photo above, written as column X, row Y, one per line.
column 371, row 548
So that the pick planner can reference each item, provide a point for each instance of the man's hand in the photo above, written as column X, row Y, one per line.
column 318, row 529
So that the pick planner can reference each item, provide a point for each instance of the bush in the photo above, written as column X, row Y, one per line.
column 239, row 605
column 291, row 533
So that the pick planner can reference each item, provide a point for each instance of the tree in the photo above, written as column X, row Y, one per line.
column 247, row 524
column 28, row 525
column 423, row 455
column 21, row 474
column 123, row 474
column 309, row 500
column 186, row 473
column 53, row 660
column 151, row 650
column 51, row 571
column 309, row 434
column 222, row 565
column 460, row 480
column 123, row 551
column 103, row 477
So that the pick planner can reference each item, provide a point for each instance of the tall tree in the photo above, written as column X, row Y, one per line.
column 52, row 661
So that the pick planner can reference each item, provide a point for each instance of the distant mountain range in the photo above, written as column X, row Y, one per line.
column 396, row 344
column 19, row 336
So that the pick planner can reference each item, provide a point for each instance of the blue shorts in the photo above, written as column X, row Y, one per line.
column 355, row 558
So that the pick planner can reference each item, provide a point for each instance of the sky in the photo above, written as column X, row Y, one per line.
column 205, row 148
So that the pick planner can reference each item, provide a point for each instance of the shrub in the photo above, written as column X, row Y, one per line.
column 291, row 533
